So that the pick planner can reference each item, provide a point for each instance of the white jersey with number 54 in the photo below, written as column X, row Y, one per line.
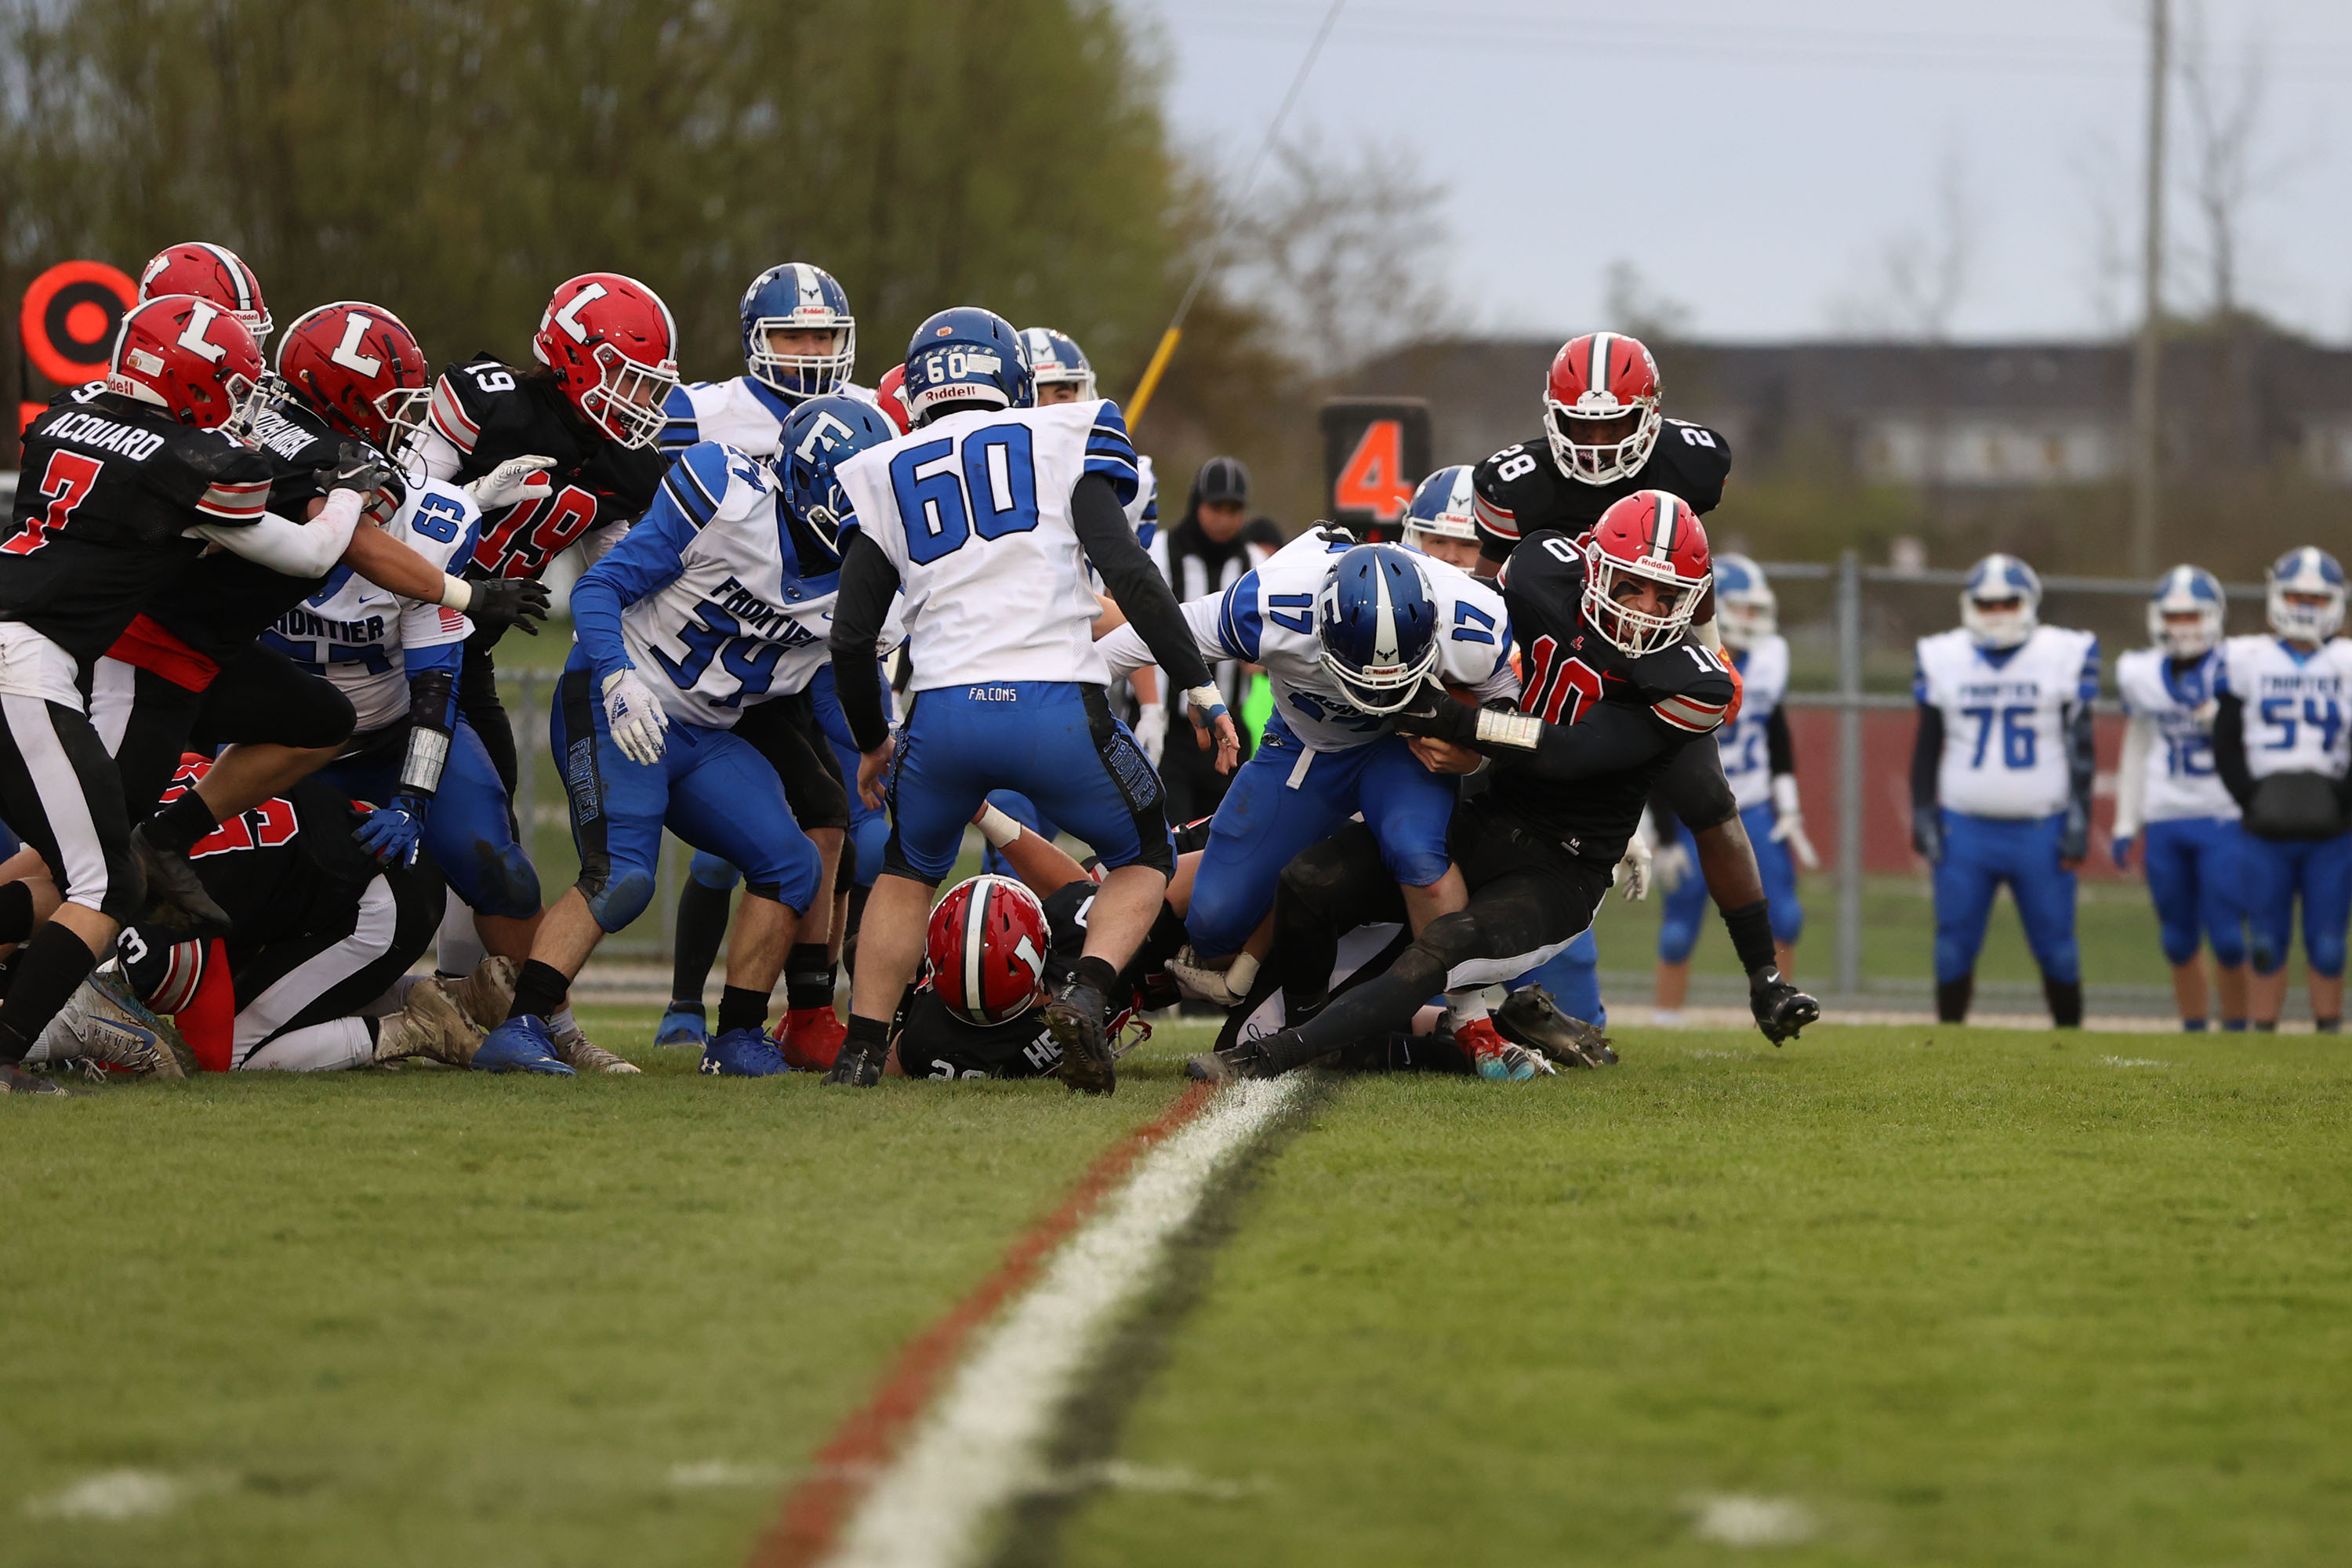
column 973, row 510
column 2298, row 706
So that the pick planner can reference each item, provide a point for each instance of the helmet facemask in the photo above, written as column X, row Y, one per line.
column 629, row 401
column 2000, row 620
column 1629, row 630
column 802, row 374
column 1600, row 457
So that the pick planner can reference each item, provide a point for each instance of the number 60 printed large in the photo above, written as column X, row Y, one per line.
column 946, row 497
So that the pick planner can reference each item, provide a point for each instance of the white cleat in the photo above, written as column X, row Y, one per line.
column 573, row 1047
column 108, row 1031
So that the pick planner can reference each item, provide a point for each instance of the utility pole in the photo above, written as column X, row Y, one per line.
column 2147, row 448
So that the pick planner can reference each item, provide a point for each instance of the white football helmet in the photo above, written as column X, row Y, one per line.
column 2186, row 591
column 2309, row 572
column 1745, row 607
column 1994, row 580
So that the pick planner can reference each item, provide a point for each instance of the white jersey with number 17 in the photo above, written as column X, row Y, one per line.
column 973, row 510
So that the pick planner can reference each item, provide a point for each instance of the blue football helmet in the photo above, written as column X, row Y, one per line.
column 1443, row 506
column 2308, row 571
column 1055, row 359
column 820, row 433
column 1993, row 581
column 796, row 295
column 967, row 356
column 1746, row 609
column 1378, row 623
column 2186, row 591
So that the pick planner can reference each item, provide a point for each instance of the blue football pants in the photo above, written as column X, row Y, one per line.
column 2318, row 871
column 469, row 830
column 2196, row 874
column 1686, row 906
column 1980, row 855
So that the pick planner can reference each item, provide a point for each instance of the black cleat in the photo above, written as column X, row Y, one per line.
column 1532, row 1019
column 16, row 1080
column 1075, row 1019
column 859, row 1065
column 176, row 899
column 1249, row 1059
column 1781, row 1010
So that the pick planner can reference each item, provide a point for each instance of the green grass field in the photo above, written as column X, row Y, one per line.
column 1920, row 1297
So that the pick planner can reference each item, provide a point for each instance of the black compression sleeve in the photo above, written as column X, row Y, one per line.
column 867, row 581
column 1779, row 749
column 2082, row 759
column 1609, row 737
column 1136, row 585
column 1926, row 755
column 2230, row 748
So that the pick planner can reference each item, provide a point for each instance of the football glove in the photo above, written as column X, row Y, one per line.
column 1928, row 834
column 392, row 833
column 2074, row 835
column 1151, row 732
column 636, row 718
column 516, row 479
column 2119, row 851
column 1633, row 873
column 360, row 468
column 1789, row 822
column 1670, row 868
column 495, row 604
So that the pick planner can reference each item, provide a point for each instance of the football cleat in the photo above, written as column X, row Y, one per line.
column 683, row 1025
column 16, row 1080
column 1075, row 1019
column 94, row 1027
column 1781, row 1010
column 520, row 1045
column 858, row 1065
column 1496, row 1060
column 486, row 994
column 430, row 1026
column 1531, row 1019
column 176, row 899
column 1247, row 1059
column 811, row 1038
column 1197, row 980
column 744, row 1053
column 572, row 1044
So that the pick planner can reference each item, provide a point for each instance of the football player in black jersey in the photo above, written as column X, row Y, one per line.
column 1605, row 436
column 1611, row 690
column 558, row 455
column 116, row 476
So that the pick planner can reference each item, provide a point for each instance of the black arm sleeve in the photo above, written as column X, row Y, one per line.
column 1779, row 749
column 1136, row 585
column 1611, row 738
column 867, row 581
column 1926, row 755
column 2230, row 748
column 2082, row 759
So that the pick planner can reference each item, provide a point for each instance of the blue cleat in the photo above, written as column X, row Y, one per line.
column 744, row 1053
column 520, row 1045
column 683, row 1025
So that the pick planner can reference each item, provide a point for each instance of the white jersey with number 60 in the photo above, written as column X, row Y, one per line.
column 2005, row 717
column 973, row 510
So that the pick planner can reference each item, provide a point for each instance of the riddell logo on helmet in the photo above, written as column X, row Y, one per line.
column 944, row 332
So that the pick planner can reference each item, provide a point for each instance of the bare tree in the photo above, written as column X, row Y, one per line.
column 2224, row 105
column 1922, row 275
column 1630, row 303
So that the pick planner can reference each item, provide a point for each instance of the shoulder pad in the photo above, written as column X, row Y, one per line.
column 698, row 482
column 1684, row 685
column 1698, row 460
column 1512, row 484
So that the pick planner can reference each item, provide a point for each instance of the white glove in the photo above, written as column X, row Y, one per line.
column 1669, row 867
column 1633, row 873
column 1789, row 822
column 516, row 479
column 634, row 717
column 1151, row 730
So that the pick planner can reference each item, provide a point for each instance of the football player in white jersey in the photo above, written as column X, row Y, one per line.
column 988, row 515
column 1759, row 762
column 2169, row 797
column 1348, row 634
column 698, row 613
column 799, row 342
column 2281, row 746
column 2001, row 780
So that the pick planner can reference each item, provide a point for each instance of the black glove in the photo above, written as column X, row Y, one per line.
column 364, row 469
column 502, row 602
column 1928, row 834
column 1433, row 714
column 1332, row 534
column 2074, row 835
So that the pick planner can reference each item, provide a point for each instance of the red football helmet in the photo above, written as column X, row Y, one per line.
column 361, row 368
column 890, row 392
column 987, row 945
column 613, row 349
column 1598, row 382
column 1648, row 536
column 213, row 272
column 195, row 361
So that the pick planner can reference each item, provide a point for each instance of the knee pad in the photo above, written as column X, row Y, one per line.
column 712, row 871
column 2268, row 953
column 617, row 897
column 1417, row 867
column 1787, row 921
column 2179, row 939
column 2229, row 944
column 2325, row 952
column 506, row 883
column 1676, row 938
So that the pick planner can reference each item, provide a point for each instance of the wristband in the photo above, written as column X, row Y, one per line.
column 1206, row 701
column 997, row 826
column 1520, row 732
column 456, row 594
column 428, row 754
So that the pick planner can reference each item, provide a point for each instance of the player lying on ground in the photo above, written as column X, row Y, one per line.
column 313, row 975
column 2170, row 798
column 987, row 516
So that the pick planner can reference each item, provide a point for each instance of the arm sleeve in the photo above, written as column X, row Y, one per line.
column 296, row 548
column 2131, row 774
column 2082, row 758
column 1926, row 755
column 1779, row 750
column 1135, row 585
column 1125, row 651
column 868, row 582
column 2230, row 748
column 1614, row 736
column 650, row 558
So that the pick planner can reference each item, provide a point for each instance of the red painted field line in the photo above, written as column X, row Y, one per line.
column 815, row 1509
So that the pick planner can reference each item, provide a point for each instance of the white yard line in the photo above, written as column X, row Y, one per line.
column 983, row 1443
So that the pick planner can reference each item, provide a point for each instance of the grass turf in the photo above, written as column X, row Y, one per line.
column 1979, row 1300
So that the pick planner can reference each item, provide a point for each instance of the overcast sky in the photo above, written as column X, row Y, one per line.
column 1756, row 159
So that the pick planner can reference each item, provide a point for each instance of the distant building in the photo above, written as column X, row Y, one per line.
column 1972, row 415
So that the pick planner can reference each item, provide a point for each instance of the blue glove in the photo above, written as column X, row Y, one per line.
column 1928, row 834
column 392, row 832
column 2119, row 851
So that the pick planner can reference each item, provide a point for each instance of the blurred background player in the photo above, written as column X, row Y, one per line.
column 1205, row 553
column 985, row 517
column 213, row 272
column 1759, row 762
column 2170, row 797
column 2281, row 746
column 2001, row 780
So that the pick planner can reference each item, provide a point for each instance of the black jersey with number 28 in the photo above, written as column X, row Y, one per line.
column 1520, row 489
